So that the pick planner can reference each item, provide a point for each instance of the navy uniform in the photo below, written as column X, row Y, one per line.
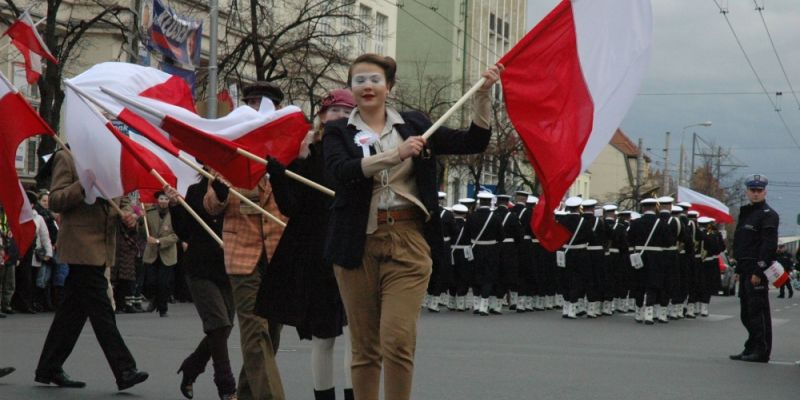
column 619, row 259
column 441, row 274
column 461, row 256
column 529, row 299
column 509, row 256
column 685, row 257
column 577, row 267
column 754, row 245
column 596, row 250
column 697, row 235
column 545, row 269
column 608, row 285
column 650, row 280
column 486, row 234
column 668, row 258
column 711, row 247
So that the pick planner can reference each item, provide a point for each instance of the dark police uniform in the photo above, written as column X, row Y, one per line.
column 754, row 245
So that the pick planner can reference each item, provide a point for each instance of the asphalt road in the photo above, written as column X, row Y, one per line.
column 459, row 356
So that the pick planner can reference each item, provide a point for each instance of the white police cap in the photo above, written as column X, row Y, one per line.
column 677, row 209
column 460, row 208
column 589, row 203
column 466, row 200
column 442, row 195
column 685, row 204
column 485, row 195
column 532, row 200
column 666, row 200
column 573, row 202
column 648, row 201
column 693, row 213
column 609, row 207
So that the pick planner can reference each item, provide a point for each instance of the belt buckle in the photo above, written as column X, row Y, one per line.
column 389, row 219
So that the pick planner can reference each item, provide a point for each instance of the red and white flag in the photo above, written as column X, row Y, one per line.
column 278, row 133
column 567, row 86
column 109, row 164
column 18, row 121
column 707, row 206
column 26, row 39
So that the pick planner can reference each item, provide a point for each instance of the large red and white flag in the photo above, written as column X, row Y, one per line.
column 567, row 86
column 109, row 164
column 278, row 133
column 26, row 39
column 18, row 121
column 707, row 206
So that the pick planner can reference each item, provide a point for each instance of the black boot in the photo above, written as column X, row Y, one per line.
column 348, row 394
column 191, row 369
column 327, row 394
column 223, row 378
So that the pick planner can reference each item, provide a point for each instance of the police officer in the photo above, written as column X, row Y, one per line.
column 486, row 232
column 460, row 257
column 574, row 257
column 754, row 246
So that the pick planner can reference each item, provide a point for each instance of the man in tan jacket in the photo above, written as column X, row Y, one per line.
column 161, row 253
column 87, row 243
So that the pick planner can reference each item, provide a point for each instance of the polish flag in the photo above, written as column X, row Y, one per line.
column 18, row 121
column 705, row 205
column 26, row 39
column 567, row 86
column 278, row 133
column 109, row 164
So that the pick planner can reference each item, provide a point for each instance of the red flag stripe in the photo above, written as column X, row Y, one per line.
column 136, row 162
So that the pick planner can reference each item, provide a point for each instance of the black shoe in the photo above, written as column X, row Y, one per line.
column 780, row 296
column 755, row 357
column 5, row 371
column 8, row 310
column 151, row 307
column 60, row 379
column 130, row 378
column 2, row 315
column 737, row 357
column 162, row 314
column 791, row 294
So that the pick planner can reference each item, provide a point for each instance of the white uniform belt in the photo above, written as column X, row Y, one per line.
column 574, row 247
column 671, row 248
column 508, row 240
column 594, row 247
column 697, row 256
column 613, row 250
column 535, row 240
column 447, row 238
column 683, row 252
column 712, row 258
column 460, row 246
column 483, row 242
column 527, row 237
column 648, row 248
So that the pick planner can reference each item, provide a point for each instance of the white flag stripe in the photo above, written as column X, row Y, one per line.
column 97, row 153
column 614, row 39
column 185, row 174
column 696, row 198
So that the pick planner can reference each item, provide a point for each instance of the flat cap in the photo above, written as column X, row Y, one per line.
column 261, row 89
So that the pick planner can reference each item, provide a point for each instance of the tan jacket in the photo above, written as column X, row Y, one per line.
column 162, row 230
column 246, row 235
column 88, row 233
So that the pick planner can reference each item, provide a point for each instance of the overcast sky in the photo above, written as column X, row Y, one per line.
column 694, row 51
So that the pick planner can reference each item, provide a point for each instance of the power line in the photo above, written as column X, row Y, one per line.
column 710, row 93
column 760, row 10
column 466, row 31
column 724, row 13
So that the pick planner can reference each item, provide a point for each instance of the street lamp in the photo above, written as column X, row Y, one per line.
column 694, row 145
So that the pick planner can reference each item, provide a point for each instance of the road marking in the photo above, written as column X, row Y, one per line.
column 785, row 363
column 778, row 322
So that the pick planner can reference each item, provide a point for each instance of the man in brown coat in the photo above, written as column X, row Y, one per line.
column 87, row 243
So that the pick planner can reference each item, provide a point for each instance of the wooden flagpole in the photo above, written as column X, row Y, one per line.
column 187, row 161
column 185, row 205
column 454, row 108
column 160, row 115
column 144, row 218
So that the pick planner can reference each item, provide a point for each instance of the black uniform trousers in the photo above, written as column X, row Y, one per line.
column 161, row 277
column 85, row 297
column 755, row 315
column 596, row 289
column 579, row 273
column 697, row 282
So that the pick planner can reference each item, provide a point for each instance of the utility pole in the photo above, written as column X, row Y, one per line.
column 694, row 150
column 719, row 163
column 680, row 167
column 212, row 58
column 637, row 195
column 665, row 185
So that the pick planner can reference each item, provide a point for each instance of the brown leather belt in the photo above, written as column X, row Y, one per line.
column 403, row 214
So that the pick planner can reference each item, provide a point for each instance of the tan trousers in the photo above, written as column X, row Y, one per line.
column 259, row 378
column 381, row 299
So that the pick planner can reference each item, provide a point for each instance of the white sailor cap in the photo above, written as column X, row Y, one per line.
column 466, row 200
column 666, row 200
column 522, row 193
column 635, row 215
column 460, row 209
column 609, row 207
column 677, row 209
column 589, row 203
column 448, row 208
column 503, row 198
column 485, row 195
column 685, row 204
column 648, row 201
column 573, row 202
column 693, row 213
column 624, row 212
column 532, row 200
column 442, row 195
column 705, row 220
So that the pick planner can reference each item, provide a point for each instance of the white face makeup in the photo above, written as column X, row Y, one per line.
column 365, row 79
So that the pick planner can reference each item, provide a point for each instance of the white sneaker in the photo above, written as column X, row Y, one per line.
column 608, row 308
column 425, row 301
column 593, row 309
column 549, row 302
column 690, row 311
column 663, row 315
column 648, row 315
column 483, row 308
column 460, row 303
column 476, row 304
column 529, row 303
column 495, row 306
column 639, row 314
column 451, row 303
column 559, row 300
column 444, row 299
column 513, row 298
column 570, row 310
column 631, row 304
column 521, row 308
column 703, row 309
column 433, row 305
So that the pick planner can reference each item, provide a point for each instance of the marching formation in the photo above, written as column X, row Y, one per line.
column 660, row 263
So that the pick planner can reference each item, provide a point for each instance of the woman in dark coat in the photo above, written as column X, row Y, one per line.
column 299, row 288
column 211, row 291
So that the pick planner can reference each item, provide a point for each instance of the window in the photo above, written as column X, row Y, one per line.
column 31, row 160
column 381, row 33
column 365, row 13
column 456, row 189
column 347, row 24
